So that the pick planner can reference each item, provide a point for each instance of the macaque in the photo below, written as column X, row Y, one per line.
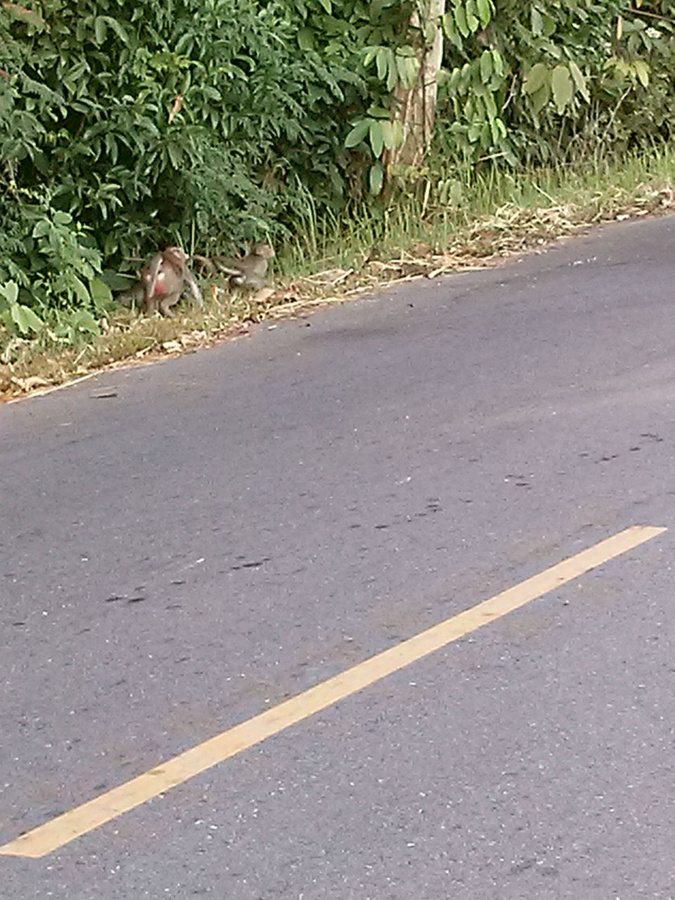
column 163, row 282
column 247, row 271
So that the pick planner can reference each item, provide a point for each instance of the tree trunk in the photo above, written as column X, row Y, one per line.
column 416, row 106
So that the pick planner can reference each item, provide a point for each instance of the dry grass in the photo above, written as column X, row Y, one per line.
column 129, row 339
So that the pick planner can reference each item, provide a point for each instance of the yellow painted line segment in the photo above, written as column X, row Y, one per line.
column 85, row 818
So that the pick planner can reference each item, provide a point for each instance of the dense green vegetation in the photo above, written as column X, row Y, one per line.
column 124, row 126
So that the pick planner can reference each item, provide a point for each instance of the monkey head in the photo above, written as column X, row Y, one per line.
column 266, row 251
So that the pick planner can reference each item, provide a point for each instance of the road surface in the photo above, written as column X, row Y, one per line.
column 237, row 538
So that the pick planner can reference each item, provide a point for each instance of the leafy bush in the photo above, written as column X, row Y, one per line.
column 124, row 125
column 152, row 123
column 539, row 82
column 50, row 273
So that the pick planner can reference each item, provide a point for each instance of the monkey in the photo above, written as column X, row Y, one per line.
column 248, row 271
column 163, row 282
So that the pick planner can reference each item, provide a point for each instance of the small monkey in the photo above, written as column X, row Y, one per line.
column 163, row 282
column 248, row 271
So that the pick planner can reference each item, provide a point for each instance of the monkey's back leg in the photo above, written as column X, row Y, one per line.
column 150, row 305
column 167, row 301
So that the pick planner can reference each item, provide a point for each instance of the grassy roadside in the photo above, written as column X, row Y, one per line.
column 447, row 224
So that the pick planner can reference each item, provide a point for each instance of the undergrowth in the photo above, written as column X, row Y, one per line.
column 444, row 222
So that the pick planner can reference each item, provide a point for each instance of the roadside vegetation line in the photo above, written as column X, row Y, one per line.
column 85, row 818
column 455, row 220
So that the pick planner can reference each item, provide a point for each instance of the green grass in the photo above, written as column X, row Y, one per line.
column 445, row 220
column 445, row 207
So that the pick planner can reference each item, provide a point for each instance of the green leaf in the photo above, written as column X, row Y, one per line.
column 490, row 106
column 175, row 152
column 80, row 289
column 11, row 291
column 41, row 161
column 100, row 29
column 100, row 292
column 117, row 28
column 41, row 229
column 484, row 8
column 376, row 178
column 474, row 131
column 485, row 66
column 84, row 320
column 407, row 68
column 562, row 87
column 382, row 60
column 549, row 25
column 541, row 97
column 449, row 25
column 472, row 21
column 376, row 138
column 306, row 39
column 579, row 80
column 537, row 22
column 358, row 133
column 460, row 21
column 25, row 319
column 454, row 80
column 388, row 135
column 369, row 54
column 536, row 78
column 641, row 69
column 498, row 63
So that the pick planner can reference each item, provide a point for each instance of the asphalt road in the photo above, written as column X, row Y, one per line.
column 188, row 544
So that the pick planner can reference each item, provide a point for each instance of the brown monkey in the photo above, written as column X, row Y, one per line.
column 248, row 271
column 163, row 283
column 165, row 280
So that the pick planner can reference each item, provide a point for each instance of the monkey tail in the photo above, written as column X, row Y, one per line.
column 204, row 262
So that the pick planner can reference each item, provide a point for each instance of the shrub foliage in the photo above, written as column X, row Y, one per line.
column 124, row 125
